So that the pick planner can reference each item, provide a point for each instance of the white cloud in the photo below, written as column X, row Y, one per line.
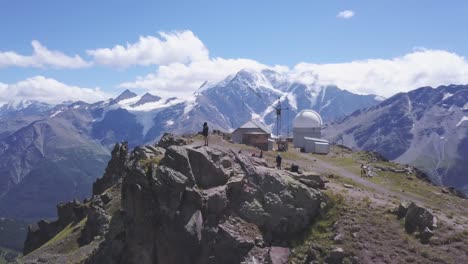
column 176, row 47
column 48, row 90
column 182, row 80
column 41, row 58
column 345, row 14
column 183, row 64
column 387, row 77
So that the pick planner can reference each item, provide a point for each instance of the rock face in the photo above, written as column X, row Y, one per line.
column 115, row 170
column 206, row 205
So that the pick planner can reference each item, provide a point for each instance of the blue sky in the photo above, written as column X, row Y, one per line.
column 271, row 33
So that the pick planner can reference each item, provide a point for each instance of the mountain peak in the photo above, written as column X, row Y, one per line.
column 17, row 105
column 251, row 78
column 147, row 98
column 127, row 94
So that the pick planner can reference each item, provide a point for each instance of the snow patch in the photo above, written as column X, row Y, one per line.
column 292, row 101
column 169, row 122
column 255, row 116
column 465, row 107
column 155, row 105
column 379, row 98
column 129, row 101
column 325, row 105
column 145, row 119
column 189, row 105
column 463, row 119
column 323, row 93
column 447, row 95
column 56, row 113
column 19, row 104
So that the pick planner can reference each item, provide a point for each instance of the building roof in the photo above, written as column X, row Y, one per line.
column 256, row 133
column 316, row 139
column 256, row 124
column 307, row 119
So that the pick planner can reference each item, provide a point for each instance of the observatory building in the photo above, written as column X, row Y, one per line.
column 307, row 132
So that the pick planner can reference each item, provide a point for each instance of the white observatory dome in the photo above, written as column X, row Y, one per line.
column 307, row 119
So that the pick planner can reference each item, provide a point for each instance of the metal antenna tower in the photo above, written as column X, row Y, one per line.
column 278, row 110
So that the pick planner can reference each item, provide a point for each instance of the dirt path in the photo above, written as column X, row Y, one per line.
column 360, row 180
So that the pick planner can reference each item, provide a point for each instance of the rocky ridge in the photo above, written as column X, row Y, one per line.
column 212, row 204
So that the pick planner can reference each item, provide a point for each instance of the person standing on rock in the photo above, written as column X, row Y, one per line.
column 278, row 161
column 205, row 133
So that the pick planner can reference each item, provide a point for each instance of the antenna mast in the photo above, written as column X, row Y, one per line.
column 278, row 110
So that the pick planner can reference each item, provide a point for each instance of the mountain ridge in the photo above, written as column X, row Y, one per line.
column 424, row 128
column 225, row 105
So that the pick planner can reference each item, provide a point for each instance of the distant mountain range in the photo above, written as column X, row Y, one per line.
column 427, row 128
column 52, row 153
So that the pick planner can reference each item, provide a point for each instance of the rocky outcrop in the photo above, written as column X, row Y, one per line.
column 417, row 218
column 116, row 169
column 96, row 225
column 98, row 220
column 169, row 139
column 313, row 180
column 206, row 205
column 43, row 231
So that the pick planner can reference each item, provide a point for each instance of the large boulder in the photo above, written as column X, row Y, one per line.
column 235, row 238
column 419, row 218
column 211, row 167
column 276, row 202
column 177, row 158
column 169, row 139
column 313, row 180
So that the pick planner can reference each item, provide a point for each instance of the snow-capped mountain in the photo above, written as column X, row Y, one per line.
column 225, row 105
column 146, row 98
column 20, row 105
column 75, row 138
column 427, row 128
column 17, row 114
column 251, row 94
